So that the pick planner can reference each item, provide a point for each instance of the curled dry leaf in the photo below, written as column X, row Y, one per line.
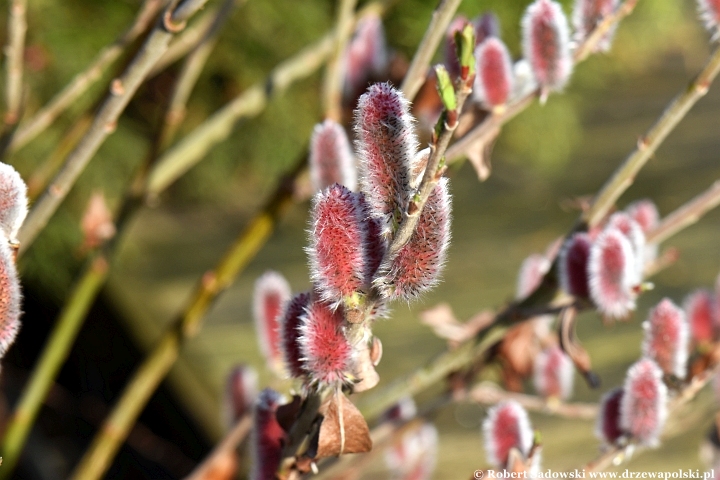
column 97, row 224
column 480, row 151
column 443, row 322
column 343, row 429
column 364, row 367
column 517, row 352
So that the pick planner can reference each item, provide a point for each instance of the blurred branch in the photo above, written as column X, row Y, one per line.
column 105, row 122
column 15, row 50
column 84, row 80
column 185, row 41
column 646, row 146
column 332, row 88
column 226, row 446
column 686, row 215
column 51, row 360
column 415, row 76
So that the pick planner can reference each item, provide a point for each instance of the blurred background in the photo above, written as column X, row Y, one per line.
column 546, row 156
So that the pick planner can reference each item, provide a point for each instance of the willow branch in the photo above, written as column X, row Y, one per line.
column 441, row 18
column 185, row 41
column 648, row 144
column 121, row 92
column 84, row 80
column 228, row 445
column 17, row 27
column 686, row 215
column 332, row 88
column 597, row 35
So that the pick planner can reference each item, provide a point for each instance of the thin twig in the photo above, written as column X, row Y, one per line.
column 227, row 445
column 648, row 144
column 596, row 36
column 121, row 92
column 84, row 80
column 332, row 88
column 686, row 215
column 441, row 18
column 17, row 27
column 185, row 41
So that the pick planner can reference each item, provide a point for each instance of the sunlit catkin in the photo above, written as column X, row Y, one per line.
column 13, row 202
column 331, row 158
column 643, row 408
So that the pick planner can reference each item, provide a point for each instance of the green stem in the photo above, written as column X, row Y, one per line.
column 53, row 357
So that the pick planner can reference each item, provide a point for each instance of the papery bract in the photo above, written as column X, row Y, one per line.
column 290, row 334
column 546, row 45
column 701, row 312
column 643, row 408
column 417, row 266
column 507, row 426
column 337, row 244
column 494, row 76
column 241, row 391
column 386, row 145
column 666, row 338
column 331, row 158
column 327, row 356
column 366, row 56
column 553, row 374
column 587, row 15
column 271, row 293
column 608, row 427
column 573, row 265
column 532, row 271
column 710, row 14
column 612, row 274
column 267, row 436
column 10, row 298
column 13, row 201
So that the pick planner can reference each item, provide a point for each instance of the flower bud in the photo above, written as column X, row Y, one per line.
column 494, row 77
column 267, row 436
column 417, row 266
column 337, row 244
column 366, row 57
column 643, row 408
column 532, row 271
column 10, row 298
column 290, row 334
column 386, row 145
column 450, row 51
column 13, row 202
column 608, row 427
column 573, row 265
column 612, row 274
column 271, row 293
column 507, row 426
column 553, row 376
column 546, row 45
column 666, row 338
column 587, row 15
column 701, row 313
column 327, row 356
column 331, row 158
column 241, row 391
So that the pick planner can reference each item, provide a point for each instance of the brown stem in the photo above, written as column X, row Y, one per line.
column 17, row 27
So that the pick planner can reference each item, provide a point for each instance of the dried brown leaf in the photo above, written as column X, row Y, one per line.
column 343, row 429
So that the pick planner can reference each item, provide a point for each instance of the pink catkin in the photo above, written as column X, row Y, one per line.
column 331, row 158
column 386, row 145
column 327, row 356
column 532, row 271
column 573, row 265
column 612, row 274
column 710, row 14
column 267, row 436
column 494, row 77
column 271, row 293
column 507, row 426
column 417, row 266
column 666, row 338
column 366, row 56
column 553, row 374
column 608, row 427
column 587, row 15
column 546, row 45
column 290, row 334
column 701, row 313
column 337, row 244
column 374, row 244
column 643, row 408
column 13, row 201
column 415, row 455
column 10, row 299
column 240, row 392
column 632, row 230
column 645, row 213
